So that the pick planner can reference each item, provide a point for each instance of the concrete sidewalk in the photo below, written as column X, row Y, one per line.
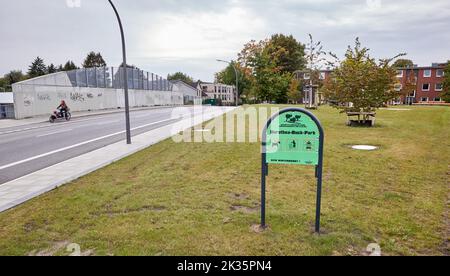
column 25, row 188
column 9, row 123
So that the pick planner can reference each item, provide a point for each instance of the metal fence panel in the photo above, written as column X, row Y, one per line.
column 112, row 77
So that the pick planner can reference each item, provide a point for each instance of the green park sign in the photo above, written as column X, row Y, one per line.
column 293, row 136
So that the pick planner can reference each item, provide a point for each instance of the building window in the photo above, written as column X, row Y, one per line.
column 424, row 100
column 426, row 87
column 439, row 86
column 439, row 73
column 398, row 87
column 437, row 99
column 322, row 75
column 399, row 73
column 427, row 73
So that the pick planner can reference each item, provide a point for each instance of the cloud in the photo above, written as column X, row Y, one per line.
column 200, row 34
column 171, row 35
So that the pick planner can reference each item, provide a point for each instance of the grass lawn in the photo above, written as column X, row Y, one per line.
column 202, row 198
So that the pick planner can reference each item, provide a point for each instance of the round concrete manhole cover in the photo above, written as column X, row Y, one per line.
column 364, row 147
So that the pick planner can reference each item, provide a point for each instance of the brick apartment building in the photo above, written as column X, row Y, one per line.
column 305, row 77
column 427, row 82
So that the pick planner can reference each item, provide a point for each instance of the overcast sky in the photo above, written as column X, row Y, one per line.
column 189, row 35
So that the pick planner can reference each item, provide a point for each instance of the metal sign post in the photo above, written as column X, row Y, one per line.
column 293, row 136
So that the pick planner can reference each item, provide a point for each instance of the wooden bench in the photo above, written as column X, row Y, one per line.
column 363, row 118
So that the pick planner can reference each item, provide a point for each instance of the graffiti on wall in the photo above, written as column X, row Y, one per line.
column 44, row 97
column 28, row 101
column 77, row 97
column 90, row 96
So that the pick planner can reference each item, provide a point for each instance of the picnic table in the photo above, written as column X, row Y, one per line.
column 363, row 118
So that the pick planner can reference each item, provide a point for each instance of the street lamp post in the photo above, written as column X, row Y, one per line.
column 237, row 78
column 125, row 76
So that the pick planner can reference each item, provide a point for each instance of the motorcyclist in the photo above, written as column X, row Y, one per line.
column 63, row 109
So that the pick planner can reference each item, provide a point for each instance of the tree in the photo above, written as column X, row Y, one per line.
column 69, row 66
column 409, row 85
column 248, row 56
column 446, row 83
column 228, row 76
column 315, row 58
column 294, row 95
column 180, row 77
column 271, row 83
column 403, row 63
column 266, row 69
column 3, row 84
column 94, row 60
column 287, row 52
column 37, row 68
column 359, row 83
column 13, row 77
column 51, row 69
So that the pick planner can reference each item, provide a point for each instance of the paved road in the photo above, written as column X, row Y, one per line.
column 27, row 149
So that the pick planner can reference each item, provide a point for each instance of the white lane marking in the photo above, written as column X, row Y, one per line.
column 79, row 144
column 46, row 126
column 53, row 133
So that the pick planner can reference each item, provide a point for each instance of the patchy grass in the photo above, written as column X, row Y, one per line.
column 203, row 199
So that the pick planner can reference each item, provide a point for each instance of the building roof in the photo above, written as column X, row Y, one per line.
column 216, row 83
column 433, row 66
column 191, row 84
column 6, row 98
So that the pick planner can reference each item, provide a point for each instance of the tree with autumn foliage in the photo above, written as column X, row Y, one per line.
column 409, row 85
column 359, row 83
column 267, row 67
column 446, row 84
column 294, row 94
column 228, row 76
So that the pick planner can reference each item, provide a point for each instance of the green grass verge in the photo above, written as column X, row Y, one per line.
column 202, row 199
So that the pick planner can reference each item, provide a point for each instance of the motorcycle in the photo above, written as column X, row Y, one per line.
column 58, row 115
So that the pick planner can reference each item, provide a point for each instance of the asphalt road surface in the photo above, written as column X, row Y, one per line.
column 30, row 148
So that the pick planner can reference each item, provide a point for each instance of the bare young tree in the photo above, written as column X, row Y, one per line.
column 315, row 56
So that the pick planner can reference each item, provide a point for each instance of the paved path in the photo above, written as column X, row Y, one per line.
column 48, row 159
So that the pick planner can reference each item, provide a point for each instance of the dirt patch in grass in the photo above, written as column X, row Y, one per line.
column 244, row 209
column 257, row 228
column 241, row 196
column 131, row 210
